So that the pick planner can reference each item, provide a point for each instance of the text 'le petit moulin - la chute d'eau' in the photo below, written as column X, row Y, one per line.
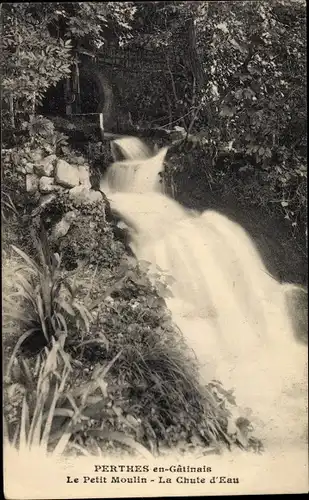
column 143, row 474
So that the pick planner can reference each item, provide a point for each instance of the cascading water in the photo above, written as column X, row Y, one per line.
column 129, row 148
column 138, row 172
column 231, row 312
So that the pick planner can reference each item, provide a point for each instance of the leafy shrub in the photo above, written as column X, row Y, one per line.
column 41, row 126
column 43, row 303
column 254, row 101
column 41, row 387
column 43, row 135
column 44, row 411
column 32, row 61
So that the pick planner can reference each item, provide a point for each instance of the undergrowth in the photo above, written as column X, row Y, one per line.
column 123, row 345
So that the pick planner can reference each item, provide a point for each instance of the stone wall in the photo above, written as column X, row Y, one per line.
column 45, row 175
column 50, row 180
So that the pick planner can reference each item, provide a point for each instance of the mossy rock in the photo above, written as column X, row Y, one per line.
column 89, row 238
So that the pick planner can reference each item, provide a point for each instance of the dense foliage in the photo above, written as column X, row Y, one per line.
column 238, row 83
column 38, row 41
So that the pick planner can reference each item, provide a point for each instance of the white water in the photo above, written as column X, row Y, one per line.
column 138, row 172
column 231, row 312
column 129, row 148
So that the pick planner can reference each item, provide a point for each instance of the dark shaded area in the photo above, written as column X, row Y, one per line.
column 297, row 304
column 34, row 344
column 90, row 99
column 284, row 257
column 89, row 94
column 53, row 102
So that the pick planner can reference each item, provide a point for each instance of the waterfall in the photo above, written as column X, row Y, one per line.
column 135, row 168
column 230, row 310
column 129, row 148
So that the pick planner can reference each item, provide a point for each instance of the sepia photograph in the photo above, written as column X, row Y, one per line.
column 154, row 249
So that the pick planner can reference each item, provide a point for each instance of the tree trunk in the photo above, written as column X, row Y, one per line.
column 194, row 63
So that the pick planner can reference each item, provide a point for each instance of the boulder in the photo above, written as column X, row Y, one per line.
column 32, row 183
column 84, row 177
column 80, row 160
column 29, row 167
column 66, row 175
column 63, row 226
column 46, row 185
column 81, row 195
column 46, row 166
